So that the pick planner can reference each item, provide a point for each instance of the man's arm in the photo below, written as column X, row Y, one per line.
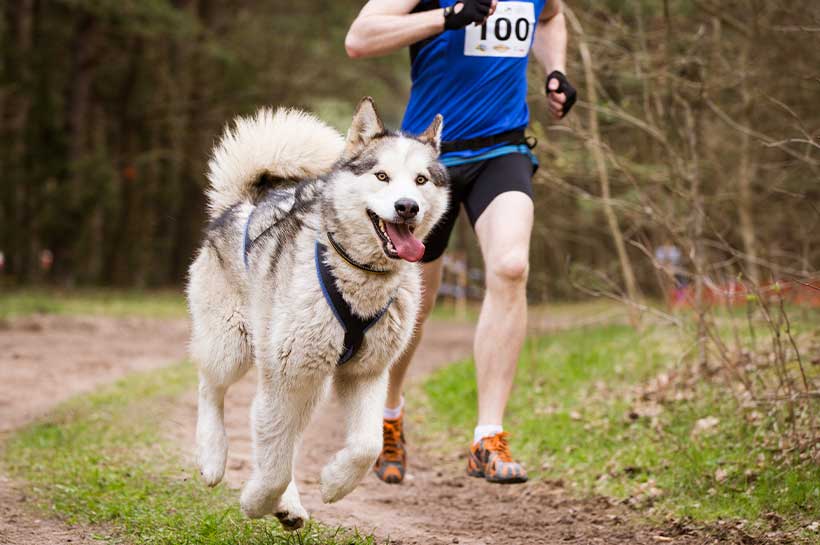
column 550, row 49
column 384, row 26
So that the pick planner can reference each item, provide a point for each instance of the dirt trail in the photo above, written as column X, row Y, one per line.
column 47, row 359
column 437, row 503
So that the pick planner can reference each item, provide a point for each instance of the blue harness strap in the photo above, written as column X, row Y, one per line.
column 246, row 239
column 354, row 325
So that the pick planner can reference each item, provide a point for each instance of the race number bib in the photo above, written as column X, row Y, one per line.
column 507, row 33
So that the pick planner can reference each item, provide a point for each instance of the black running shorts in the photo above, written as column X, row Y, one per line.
column 475, row 185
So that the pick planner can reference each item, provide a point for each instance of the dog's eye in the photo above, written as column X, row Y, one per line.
column 382, row 176
column 421, row 179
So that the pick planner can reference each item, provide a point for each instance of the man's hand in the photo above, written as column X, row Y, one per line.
column 561, row 95
column 468, row 12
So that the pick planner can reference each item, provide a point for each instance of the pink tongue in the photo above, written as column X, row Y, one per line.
column 407, row 246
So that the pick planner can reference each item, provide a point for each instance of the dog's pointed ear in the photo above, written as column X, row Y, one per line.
column 432, row 134
column 365, row 126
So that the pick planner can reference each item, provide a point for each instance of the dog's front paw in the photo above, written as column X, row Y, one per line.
column 331, row 491
column 346, row 471
column 290, row 511
column 336, row 483
column 256, row 500
column 292, row 519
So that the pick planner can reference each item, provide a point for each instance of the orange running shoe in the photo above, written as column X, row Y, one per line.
column 392, row 462
column 490, row 458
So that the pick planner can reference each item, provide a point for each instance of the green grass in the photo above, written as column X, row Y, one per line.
column 551, row 312
column 569, row 414
column 101, row 459
column 148, row 304
column 153, row 304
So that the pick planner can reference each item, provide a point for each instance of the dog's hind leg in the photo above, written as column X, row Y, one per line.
column 211, row 439
column 221, row 347
column 281, row 411
column 362, row 400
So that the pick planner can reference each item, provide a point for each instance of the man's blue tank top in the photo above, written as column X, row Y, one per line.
column 475, row 77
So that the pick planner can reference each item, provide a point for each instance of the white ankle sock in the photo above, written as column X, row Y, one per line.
column 392, row 414
column 486, row 430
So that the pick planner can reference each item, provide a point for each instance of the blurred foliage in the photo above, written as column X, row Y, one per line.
column 707, row 114
column 711, row 138
column 109, row 109
column 93, row 301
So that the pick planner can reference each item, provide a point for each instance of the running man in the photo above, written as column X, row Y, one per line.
column 469, row 63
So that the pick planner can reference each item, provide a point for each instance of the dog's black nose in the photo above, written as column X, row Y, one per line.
column 407, row 208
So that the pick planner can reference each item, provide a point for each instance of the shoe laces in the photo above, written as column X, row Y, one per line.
column 498, row 444
column 392, row 450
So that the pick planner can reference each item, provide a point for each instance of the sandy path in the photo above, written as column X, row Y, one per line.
column 437, row 503
column 47, row 359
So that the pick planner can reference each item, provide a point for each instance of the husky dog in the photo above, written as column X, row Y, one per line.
column 303, row 222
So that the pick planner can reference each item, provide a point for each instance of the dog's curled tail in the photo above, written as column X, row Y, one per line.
column 286, row 144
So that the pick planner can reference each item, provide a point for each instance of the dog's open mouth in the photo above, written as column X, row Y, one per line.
column 398, row 241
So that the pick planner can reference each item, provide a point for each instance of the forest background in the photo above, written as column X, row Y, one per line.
column 698, row 126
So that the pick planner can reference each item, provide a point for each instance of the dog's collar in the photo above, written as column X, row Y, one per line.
column 345, row 256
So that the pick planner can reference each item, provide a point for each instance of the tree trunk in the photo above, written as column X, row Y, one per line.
column 118, row 266
column 189, row 133
column 746, row 172
column 17, row 48
column 594, row 145
column 67, row 243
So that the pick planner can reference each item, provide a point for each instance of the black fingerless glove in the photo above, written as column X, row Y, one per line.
column 472, row 11
column 564, row 86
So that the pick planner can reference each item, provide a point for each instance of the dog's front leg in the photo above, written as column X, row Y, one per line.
column 279, row 415
column 362, row 400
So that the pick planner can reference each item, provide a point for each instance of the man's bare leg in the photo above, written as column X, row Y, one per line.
column 431, row 280
column 392, row 462
column 502, row 324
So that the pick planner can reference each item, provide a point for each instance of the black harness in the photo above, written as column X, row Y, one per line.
column 515, row 136
column 354, row 325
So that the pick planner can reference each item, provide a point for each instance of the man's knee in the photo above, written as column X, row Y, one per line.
column 431, row 280
column 510, row 269
column 428, row 301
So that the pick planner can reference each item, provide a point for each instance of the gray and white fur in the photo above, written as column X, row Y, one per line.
column 263, row 304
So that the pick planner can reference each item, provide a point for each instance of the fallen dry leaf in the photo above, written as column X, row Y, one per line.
column 705, row 426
